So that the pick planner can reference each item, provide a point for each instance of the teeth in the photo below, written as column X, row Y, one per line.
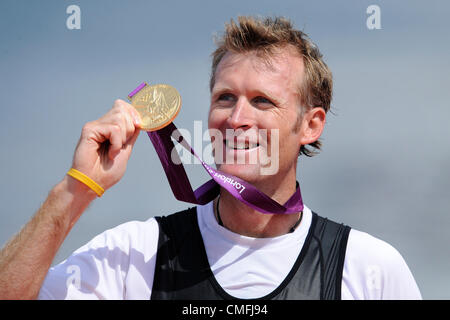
column 240, row 145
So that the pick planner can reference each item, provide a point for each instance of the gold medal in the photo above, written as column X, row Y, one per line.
column 158, row 105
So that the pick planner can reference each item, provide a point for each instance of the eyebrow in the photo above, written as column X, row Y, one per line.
column 223, row 89
column 269, row 96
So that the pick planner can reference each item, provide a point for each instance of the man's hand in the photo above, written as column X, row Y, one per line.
column 102, row 154
column 105, row 144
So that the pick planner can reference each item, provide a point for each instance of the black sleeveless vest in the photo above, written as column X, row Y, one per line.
column 182, row 270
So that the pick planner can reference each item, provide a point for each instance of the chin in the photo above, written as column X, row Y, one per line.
column 247, row 172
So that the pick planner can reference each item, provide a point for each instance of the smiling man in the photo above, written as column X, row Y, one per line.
column 249, row 95
column 270, row 92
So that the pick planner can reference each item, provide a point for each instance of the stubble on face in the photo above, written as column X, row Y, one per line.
column 276, row 78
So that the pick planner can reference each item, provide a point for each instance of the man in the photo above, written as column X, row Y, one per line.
column 265, row 76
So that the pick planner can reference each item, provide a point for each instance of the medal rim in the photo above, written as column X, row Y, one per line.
column 170, row 120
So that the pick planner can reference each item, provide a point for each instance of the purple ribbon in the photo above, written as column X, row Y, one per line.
column 240, row 189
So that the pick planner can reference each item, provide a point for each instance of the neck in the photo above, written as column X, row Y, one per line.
column 242, row 219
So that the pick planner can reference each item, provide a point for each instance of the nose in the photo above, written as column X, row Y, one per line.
column 242, row 116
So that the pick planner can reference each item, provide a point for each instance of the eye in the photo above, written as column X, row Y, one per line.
column 226, row 97
column 262, row 101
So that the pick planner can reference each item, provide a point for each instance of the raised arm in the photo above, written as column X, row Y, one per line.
column 102, row 154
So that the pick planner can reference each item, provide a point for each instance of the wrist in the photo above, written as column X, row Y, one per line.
column 80, row 176
column 74, row 196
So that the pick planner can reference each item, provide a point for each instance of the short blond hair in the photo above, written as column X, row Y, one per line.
column 263, row 36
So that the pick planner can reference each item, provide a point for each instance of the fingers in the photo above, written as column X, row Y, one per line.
column 121, row 106
column 131, row 142
column 123, row 113
column 125, row 126
column 120, row 126
column 117, row 139
column 106, row 144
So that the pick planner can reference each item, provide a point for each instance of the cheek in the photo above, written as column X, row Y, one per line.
column 290, row 137
column 285, row 124
column 214, row 124
column 216, row 118
column 212, row 120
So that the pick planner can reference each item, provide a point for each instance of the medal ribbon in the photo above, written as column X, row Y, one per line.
column 240, row 189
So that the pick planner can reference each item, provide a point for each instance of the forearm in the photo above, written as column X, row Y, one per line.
column 25, row 260
column 102, row 154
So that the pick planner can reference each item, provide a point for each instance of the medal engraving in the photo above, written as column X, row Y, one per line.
column 157, row 105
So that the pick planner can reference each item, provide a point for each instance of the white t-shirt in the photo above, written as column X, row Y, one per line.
column 120, row 262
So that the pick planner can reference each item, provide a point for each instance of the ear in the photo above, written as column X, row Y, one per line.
column 312, row 125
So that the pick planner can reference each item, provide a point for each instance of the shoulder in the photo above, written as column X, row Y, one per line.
column 366, row 248
column 123, row 238
column 374, row 269
column 103, row 267
column 132, row 233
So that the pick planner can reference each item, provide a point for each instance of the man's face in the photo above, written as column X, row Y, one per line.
column 259, row 103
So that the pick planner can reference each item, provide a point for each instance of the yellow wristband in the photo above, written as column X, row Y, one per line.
column 86, row 180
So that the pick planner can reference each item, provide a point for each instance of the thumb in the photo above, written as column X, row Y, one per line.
column 130, row 143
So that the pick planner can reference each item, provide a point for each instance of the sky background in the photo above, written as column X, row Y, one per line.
column 384, row 168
